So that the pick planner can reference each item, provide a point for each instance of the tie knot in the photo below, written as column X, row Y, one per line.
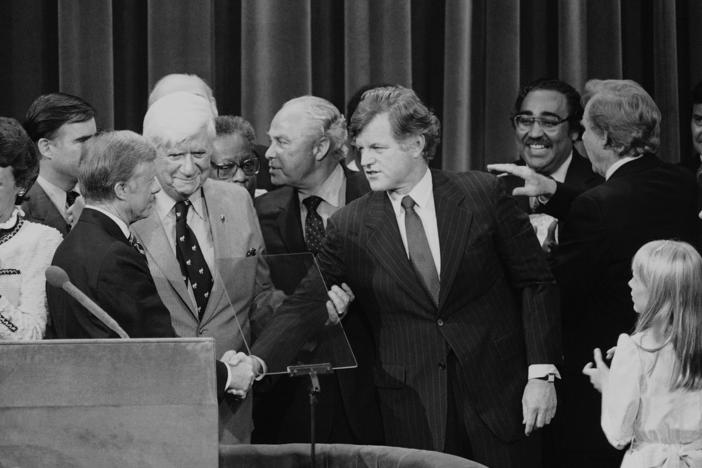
column 408, row 203
column 71, row 196
column 181, row 209
column 311, row 203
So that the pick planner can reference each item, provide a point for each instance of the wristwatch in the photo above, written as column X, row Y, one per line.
column 551, row 377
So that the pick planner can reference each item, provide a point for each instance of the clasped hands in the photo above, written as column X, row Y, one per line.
column 243, row 369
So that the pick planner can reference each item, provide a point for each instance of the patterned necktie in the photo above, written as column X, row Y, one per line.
column 136, row 244
column 314, row 226
column 420, row 253
column 191, row 260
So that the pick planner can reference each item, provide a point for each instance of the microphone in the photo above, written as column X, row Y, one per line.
column 57, row 277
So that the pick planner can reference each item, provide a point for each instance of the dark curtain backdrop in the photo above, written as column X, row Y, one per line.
column 466, row 59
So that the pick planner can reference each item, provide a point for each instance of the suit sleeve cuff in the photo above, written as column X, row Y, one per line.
column 537, row 371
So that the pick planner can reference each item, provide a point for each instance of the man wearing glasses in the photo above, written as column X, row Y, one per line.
column 233, row 158
column 546, row 124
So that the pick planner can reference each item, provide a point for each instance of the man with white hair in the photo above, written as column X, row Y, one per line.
column 189, row 83
column 308, row 145
column 202, row 235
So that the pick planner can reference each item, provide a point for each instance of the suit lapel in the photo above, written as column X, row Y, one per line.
column 46, row 212
column 153, row 237
column 385, row 245
column 453, row 222
column 289, row 224
column 229, row 243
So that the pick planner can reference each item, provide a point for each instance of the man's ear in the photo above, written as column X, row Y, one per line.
column 321, row 148
column 44, row 145
column 120, row 189
column 417, row 144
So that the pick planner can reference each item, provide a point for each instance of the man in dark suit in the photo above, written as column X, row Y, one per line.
column 117, row 176
column 59, row 124
column 309, row 167
column 694, row 161
column 451, row 277
column 546, row 123
column 642, row 199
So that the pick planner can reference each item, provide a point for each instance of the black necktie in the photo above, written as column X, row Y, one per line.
column 191, row 260
column 420, row 253
column 71, row 196
column 314, row 226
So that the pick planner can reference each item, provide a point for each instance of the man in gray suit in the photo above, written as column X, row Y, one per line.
column 455, row 287
column 59, row 124
column 202, row 235
column 205, row 250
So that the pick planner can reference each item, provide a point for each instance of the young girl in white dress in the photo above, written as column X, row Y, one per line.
column 652, row 395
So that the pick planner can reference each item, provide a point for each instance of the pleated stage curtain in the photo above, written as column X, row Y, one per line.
column 466, row 59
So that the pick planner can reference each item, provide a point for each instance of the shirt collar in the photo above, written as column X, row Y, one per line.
column 620, row 162
column 559, row 174
column 331, row 190
column 164, row 204
column 122, row 225
column 422, row 194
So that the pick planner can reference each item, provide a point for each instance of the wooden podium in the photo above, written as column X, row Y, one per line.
column 105, row 403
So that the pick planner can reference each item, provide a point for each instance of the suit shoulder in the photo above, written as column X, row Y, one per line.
column 271, row 201
column 469, row 180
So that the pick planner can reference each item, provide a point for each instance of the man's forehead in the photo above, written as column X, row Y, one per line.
column 292, row 121
column 544, row 101
column 77, row 129
column 199, row 139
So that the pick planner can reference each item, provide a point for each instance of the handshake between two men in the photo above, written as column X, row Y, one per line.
column 245, row 368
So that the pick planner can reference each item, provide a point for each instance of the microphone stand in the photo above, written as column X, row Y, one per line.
column 313, row 371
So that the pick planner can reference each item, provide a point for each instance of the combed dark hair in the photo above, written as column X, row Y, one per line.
column 18, row 152
column 407, row 114
column 109, row 158
column 352, row 104
column 626, row 113
column 49, row 111
column 573, row 100
column 233, row 124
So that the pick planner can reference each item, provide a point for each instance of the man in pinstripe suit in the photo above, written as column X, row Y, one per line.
column 458, row 293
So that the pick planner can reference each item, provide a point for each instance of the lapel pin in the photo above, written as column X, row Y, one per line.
column 251, row 252
column 221, row 218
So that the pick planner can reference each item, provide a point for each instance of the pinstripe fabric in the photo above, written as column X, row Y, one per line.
column 497, row 307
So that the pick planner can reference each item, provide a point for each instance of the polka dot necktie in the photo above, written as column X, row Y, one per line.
column 191, row 260
column 314, row 226
column 419, row 251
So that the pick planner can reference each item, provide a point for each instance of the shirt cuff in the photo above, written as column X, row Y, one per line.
column 537, row 371
column 229, row 376
column 264, row 368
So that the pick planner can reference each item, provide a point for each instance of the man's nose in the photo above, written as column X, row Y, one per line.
column 188, row 166
column 366, row 157
column 536, row 131
column 238, row 175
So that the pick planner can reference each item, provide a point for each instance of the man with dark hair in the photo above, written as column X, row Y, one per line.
column 308, row 142
column 546, row 122
column 456, row 290
column 233, row 158
column 59, row 124
column 117, row 177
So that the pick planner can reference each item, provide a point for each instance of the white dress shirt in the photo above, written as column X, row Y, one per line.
column 332, row 192
column 423, row 196
column 56, row 194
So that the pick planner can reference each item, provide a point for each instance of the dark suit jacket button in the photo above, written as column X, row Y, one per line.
column 442, row 365
column 440, row 322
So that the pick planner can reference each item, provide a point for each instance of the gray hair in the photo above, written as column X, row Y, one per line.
column 177, row 117
column 330, row 120
column 109, row 158
column 187, row 82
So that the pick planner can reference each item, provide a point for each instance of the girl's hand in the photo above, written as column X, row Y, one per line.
column 599, row 373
